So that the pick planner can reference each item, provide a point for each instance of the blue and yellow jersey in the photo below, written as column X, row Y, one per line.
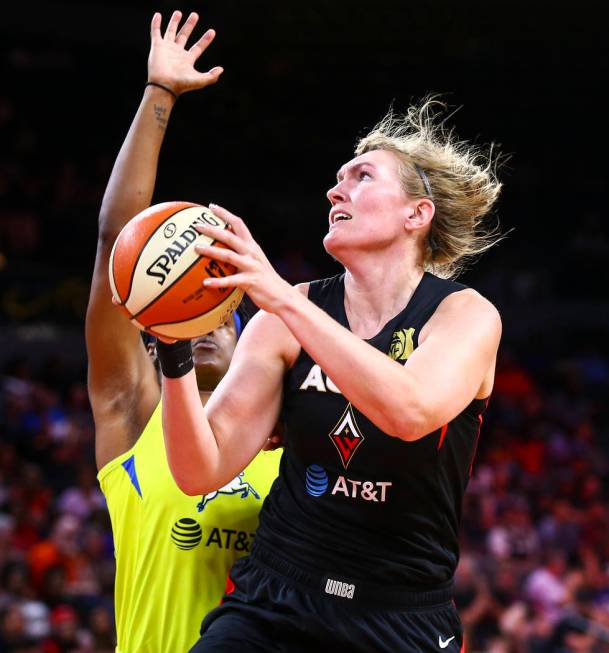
column 173, row 552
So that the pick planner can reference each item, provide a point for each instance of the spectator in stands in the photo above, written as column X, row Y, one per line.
column 61, row 549
column 546, row 587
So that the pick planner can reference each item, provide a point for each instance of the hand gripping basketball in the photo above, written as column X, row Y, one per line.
column 156, row 273
column 236, row 247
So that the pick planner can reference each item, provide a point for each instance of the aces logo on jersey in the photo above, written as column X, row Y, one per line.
column 346, row 436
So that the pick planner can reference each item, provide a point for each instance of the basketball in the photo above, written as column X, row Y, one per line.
column 156, row 276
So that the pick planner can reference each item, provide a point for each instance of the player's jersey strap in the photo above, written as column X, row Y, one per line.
column 173, row 551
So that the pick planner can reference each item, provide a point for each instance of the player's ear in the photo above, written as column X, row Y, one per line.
column 420, row 214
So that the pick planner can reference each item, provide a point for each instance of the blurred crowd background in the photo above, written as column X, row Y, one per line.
column 300, row 83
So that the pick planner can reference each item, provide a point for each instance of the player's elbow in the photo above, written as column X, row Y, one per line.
column 191, row 490
column 410, row 430
column 183, row 475
column 190, row 476
column 107, row 230
column 412, row 421
column 186, row 483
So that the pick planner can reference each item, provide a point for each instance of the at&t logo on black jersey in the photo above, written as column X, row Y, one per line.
column 316, row 480
column 317, row 483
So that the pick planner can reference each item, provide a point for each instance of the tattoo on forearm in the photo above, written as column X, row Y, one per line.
column 160, row 113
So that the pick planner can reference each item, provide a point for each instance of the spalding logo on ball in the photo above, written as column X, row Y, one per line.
column 156, row 275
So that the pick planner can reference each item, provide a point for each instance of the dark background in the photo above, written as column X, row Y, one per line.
column 301, row 82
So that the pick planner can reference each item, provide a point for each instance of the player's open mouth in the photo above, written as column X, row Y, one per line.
column 338, row 216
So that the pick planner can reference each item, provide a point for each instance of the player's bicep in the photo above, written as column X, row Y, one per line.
column 453, row 361
column 117, row 357
column 122, row 382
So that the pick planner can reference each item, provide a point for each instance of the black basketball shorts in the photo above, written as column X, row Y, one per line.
column 272, row 607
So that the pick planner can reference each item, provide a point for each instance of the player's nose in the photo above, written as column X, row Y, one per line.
column 337, row 193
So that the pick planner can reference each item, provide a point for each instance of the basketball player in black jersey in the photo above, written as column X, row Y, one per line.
column 381, row 374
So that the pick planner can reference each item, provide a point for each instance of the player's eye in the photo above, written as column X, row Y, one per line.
column 364, row 174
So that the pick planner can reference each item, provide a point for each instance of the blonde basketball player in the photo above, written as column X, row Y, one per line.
column 381, row 375
column 173, row 551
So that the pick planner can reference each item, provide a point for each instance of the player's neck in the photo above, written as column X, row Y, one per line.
column 379, row 281
column 372, row 300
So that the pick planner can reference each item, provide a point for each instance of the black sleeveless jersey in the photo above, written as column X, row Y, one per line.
column 350, row 499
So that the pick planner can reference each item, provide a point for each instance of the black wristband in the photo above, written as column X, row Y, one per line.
column 175, row 359
column 165, row 88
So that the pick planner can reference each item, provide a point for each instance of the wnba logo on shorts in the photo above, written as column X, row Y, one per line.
column 338, row 588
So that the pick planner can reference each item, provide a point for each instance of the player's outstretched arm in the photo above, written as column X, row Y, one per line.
column 122, row 381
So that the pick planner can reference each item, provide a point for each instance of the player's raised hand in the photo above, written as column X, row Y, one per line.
column 170, row 62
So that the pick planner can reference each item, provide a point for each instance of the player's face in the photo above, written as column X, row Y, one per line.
column 212, row 354
column 369, row 204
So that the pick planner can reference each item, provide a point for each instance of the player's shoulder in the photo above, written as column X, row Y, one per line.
column 468, row 299
column 467, row 307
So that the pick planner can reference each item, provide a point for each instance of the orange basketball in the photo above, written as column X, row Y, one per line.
column 157, row 277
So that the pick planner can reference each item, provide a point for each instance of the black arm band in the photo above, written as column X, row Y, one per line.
column 165, row 88
column 175, row 359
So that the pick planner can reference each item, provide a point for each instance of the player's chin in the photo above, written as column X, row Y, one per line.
column 330, row 242
column 335, row 243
